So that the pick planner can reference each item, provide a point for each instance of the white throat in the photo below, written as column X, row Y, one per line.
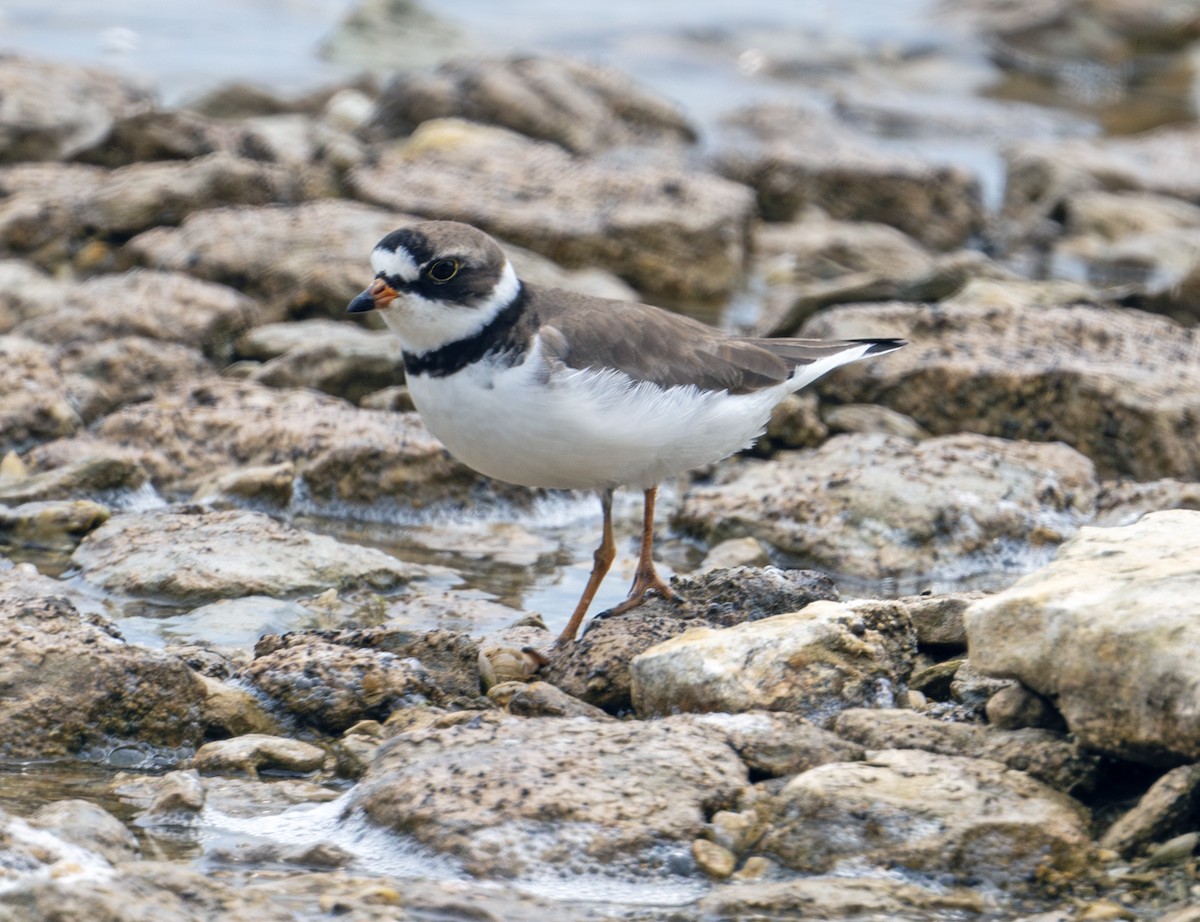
column 423, row 325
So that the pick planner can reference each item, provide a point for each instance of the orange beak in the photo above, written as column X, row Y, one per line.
column 379, row 295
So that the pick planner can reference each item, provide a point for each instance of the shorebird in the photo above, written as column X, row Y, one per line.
column 549, row 388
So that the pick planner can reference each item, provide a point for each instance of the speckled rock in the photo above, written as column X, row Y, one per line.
column 88, row 826
column 35, row 403
column 674, row 235
column 774, row 744
column 796, row 158
column 814, row 662
column 104, row 475
column 51, row 525
column 254, row 752
column 596, row 667
column 962, row 817
column 1050, row 757
column 583, row 107
column 1115, row 610
column 877, row 507
column 75, row 686
column 506, row 796
column 1035, row 361
column 191, row 556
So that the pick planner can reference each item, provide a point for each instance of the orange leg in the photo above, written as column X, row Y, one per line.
column 602, row 560
column 646, row 578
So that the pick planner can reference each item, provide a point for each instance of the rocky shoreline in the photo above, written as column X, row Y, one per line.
column 188, row 423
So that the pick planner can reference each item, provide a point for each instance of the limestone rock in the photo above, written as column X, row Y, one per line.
column 967, row 818
column 1115, row 611
column 814, row 662
column 877, row 507
column 823, row 897
column 254, row 752
column 674, row 235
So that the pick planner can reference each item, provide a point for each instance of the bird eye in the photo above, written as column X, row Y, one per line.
column 443, row 270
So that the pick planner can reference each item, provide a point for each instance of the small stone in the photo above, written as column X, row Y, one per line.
column 713, row 859
column 736, row 552
column 1104, row 911
column 1174, row 851
column 756, row 867
column 1015, row 707
column 255, row 751
column 731, row 830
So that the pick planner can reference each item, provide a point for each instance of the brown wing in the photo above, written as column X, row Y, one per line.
column 650, row 344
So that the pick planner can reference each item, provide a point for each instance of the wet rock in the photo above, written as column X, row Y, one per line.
column 344, row 458
column 190, row 556
column 796, row 159
column 52, row 525
column 74, row 686
column 34, row 402
column 333, row 679
column 675, row 236
column 877, row 507
column 239, row 623
column 580, row 106
column 170, row 307
column 1048, row 756
column 1115, row 610
column 230, row 709
column 596, row 667
column 1117, row 384
column 53, row 110
column 814, row 662
column 252, row 753
column 963, row 817
column 1166, row 808
column 163, row 799
column 102, row 475
column 89, row 826
column 302, row 259
column 506, row 797
column 838, row 898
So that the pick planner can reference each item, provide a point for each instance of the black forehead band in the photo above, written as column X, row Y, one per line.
column 416, row 243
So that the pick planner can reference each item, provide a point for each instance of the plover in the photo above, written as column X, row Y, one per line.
column 549, row 388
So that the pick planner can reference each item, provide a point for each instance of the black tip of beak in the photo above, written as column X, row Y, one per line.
column 364, row 302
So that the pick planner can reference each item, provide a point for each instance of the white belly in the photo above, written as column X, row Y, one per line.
column 584, row 429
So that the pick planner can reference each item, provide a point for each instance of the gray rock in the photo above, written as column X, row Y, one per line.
column 596, row 667
column 1124, row 502
column 169, row 307
column 376, row 34
column 675, row 235
column 796, row 159
column 53, row 110
column 822, row 897
column 877, row 507
column 342, row 359
column 76, row 688
column 962, row 817
column 193, row 557
column 105, row 475
column 506, row 796
column 774, row 744
column 939, row 618
column 1045, row 755
column 90, row 827
column 1034, row 361
column 814, row 662
column 582, row 107
column 1114, row 611
column 25, row 292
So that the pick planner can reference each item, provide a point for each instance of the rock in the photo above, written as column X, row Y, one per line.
column 158, row 134
column 25, row 292
column 53, row 110
column 541, row 699
column 1015, row 706
column 877, row 507
column 506, row 797
column 164, row 799
column 193, row 557
column 297, row 259
column 1164, row 809
column 796, row 159
column 34, row 403
column 713, row 859
column 254, row 752
column 104, row 475
column 238, row 623
column 935, row 681
column 333, row 679
column 88, row 826
column 75, row 688
column 344, row 459
column 814, row 662
column 169, row 307
column 1119, row 385
column 868, row 418
column 939, row 618
column 962, row 817
column 736, row 552
column 1043, row 754
column 53, row 525
column 1124, row 502
column 378, row 33
column 794, row 423
column 1113, row 611
column 823, row 897
column 674, row 235
column 973, row 688
column 230, row 709
column 581, row 107
column 596, row 667
column 774, row 744
column 505, row 665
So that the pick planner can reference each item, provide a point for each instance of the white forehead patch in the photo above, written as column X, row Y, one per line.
column 397, row 263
